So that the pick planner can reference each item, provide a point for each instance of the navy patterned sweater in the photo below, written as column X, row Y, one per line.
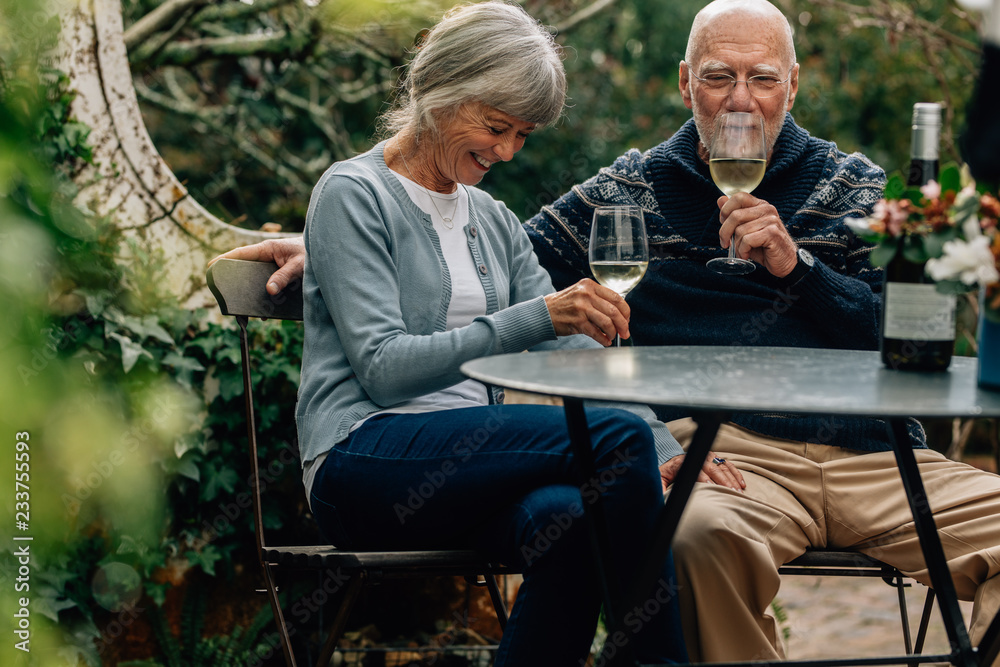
column 814, row 187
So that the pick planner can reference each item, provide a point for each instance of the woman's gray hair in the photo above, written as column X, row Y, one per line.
column 490, row 52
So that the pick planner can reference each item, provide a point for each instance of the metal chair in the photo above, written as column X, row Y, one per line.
column 239, row 287
column 842, row 563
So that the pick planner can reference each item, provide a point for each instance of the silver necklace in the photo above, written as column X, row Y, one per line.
column 448, row 224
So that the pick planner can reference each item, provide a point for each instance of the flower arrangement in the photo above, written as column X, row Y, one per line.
column 949, row 224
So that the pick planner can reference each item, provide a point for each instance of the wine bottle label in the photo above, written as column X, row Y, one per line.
column 916, row 311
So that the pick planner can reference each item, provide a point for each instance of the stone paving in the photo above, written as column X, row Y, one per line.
column 831, row 617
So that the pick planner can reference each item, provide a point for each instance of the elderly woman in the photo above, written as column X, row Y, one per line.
column 410, row 271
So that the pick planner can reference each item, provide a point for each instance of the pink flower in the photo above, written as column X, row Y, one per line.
column 932, row 190
column 892, row 214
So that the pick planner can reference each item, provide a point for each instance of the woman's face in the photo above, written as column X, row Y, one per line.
column 474, row 139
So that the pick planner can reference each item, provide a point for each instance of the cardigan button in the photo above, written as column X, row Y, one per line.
column 482, row 269
column 500, row 397
column 472, row 230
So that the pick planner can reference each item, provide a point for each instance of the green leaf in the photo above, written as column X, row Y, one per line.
column 966, row 207
column 48, row 602
column 914, row 195
column 934, row 243
column 157, row 592
column 131, row 351
column 884, row 253
column 950, row 178
column 188, row 469
column 953, row 287
column 96, row 300
column 230, row 385
column 57, row 577
column 895, row 186
column 82, row 646
column 206, row 558
column 914, row 249
column 147, row 327
column 230, row 354
column 185, row 465
column 224, row 479
column 72, row 654
column 180, row 363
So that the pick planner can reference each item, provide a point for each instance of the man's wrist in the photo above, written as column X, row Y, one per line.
column 803, row 266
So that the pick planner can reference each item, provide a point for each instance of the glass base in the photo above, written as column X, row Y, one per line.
column 731, row 267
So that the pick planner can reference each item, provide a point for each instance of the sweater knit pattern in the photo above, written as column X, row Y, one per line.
column 814, row 187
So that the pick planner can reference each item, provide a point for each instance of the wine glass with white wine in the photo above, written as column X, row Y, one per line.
column 737, row 159
column 619, row 252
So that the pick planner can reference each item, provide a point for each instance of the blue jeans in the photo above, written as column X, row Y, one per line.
column 501, row 479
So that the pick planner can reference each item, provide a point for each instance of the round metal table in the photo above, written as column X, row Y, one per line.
column 713, row 382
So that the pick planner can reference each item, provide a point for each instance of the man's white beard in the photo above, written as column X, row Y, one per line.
column 706, row 127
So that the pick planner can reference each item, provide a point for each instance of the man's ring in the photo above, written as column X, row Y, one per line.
column 718, row 461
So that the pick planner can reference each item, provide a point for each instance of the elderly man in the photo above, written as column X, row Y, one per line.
column 813, row 481
column 810, row 481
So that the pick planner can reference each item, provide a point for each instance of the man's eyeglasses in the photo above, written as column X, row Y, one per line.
column 760, row 86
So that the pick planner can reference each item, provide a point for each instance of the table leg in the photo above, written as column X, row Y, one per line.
column 579, row 435
column 667, row 521
column 680, row 492
column 963, row 654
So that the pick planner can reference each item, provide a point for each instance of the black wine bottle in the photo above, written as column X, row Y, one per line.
column 918, row 322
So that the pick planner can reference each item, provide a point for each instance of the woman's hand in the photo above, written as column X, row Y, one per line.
column 591, row 309
column 712, row 472
column 288, row 253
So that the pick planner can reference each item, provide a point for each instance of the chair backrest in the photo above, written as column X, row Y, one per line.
column 240, row 288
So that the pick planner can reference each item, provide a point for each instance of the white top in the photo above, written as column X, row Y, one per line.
column 468, row 300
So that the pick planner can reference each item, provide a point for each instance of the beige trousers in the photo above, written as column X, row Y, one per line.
column 729, row 545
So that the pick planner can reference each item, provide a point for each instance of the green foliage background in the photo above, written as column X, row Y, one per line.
column 128, row 408
column 863, row 66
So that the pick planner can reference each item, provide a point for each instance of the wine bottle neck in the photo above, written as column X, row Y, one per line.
column 926, row 135
column 922, row 172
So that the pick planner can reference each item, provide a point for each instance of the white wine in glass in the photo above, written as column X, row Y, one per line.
column 619, row 276
column 619, row 252
column 732, row 175
column 737, row 160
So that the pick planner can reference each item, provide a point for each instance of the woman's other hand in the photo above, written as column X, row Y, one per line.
column 591, row 309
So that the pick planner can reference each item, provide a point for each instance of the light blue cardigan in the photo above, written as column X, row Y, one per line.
column 376, row 289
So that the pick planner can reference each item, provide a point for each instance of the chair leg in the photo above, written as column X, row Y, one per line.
column 903, row 614
column 925, row 618
column 279, row 616
column 989, row 645
column 498, row 602
column 354, row 586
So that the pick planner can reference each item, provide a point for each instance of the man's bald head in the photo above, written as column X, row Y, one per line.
column 708, row 19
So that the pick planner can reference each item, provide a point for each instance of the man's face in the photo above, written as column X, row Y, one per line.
column 740, row 46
